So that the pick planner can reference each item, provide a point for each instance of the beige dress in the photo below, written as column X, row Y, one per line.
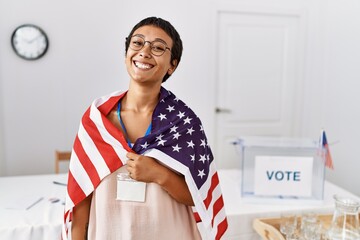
column 159, row 217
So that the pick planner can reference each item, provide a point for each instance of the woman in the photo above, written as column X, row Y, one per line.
column 140, row 160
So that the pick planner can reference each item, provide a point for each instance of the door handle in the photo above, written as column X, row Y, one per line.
column 222, row 110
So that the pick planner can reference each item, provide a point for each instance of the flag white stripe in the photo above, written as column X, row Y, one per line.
column 91, row 150
column 80, row 175
column 198, row 196
column 69, row 202
column 220, row 217
column 217, row 220
column 95, row 116
column 215, row 195
column 206, row 214
column 98, row 102
column 167, row 160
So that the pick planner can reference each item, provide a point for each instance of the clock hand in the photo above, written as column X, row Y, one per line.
column 35, row 38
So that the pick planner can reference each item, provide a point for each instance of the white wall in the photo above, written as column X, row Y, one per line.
column 2, row 158
column 340, row 111
column 41, row 102
column 332, row 82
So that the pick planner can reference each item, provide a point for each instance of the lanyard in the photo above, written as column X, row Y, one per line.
column 148, row 131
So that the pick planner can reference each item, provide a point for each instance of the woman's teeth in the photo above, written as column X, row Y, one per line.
column 143, row 65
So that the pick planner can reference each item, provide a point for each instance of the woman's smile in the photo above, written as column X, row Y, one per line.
column 143, row 66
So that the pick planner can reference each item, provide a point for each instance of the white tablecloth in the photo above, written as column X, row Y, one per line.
column 40, row 221
column 44, row 219
column 241, row 214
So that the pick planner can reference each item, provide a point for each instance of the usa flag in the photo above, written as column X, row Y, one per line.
column 325, row 145
column 177, row 139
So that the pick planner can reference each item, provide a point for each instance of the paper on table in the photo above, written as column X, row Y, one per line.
column 23, row 203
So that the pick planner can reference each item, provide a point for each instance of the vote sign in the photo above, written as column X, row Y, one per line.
column 283, row 176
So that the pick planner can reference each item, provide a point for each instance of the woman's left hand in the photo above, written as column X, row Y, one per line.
column 142, row 168
column 148, row 169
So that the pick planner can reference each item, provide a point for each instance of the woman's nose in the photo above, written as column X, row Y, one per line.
column 146, row 50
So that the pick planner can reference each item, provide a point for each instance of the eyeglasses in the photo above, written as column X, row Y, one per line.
column 157, row 47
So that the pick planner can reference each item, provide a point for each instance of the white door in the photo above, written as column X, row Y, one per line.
column 260, row 57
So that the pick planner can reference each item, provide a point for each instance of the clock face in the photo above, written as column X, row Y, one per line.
column 29, row 42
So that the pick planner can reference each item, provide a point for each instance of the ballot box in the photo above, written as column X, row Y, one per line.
column 278, row 169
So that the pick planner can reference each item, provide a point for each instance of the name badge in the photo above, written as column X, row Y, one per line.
column 129, row 189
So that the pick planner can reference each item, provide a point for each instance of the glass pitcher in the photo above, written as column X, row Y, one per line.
column 345, row 221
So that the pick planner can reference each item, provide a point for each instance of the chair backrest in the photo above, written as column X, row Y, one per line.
column 61, row 156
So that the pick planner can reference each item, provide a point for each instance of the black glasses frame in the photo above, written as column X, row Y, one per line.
column 151, row 46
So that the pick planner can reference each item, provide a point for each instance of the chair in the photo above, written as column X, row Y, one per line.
column 61, row 156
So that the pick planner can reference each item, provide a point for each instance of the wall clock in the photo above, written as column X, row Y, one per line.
column 29, row 42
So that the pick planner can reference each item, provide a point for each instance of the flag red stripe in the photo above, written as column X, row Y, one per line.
column 75, row 193
column 106, row 150
column 112, row 130
column 328, row 158
column 221, row 228
column 65, row 215
column 71, row 216
column 105, row 109
column 218, row 205
column 107, row 106
column 328, row 162
column 65, row 221
column 214, row 183
column 86, row 162
column 197, row 217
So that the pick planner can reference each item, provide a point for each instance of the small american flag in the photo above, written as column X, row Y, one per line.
column 177, row 139
column 325, row 146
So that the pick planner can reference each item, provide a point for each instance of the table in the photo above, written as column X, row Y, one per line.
column 241, row 214
column 20, row 219
column 43, row 220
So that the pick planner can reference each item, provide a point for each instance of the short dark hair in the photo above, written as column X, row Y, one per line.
column 177, row 48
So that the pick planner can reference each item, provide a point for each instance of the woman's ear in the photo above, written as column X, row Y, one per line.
column 173, row 67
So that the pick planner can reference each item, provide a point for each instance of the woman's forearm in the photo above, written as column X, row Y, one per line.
column 148, row 169
column 176, row 186
column 80, row 220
